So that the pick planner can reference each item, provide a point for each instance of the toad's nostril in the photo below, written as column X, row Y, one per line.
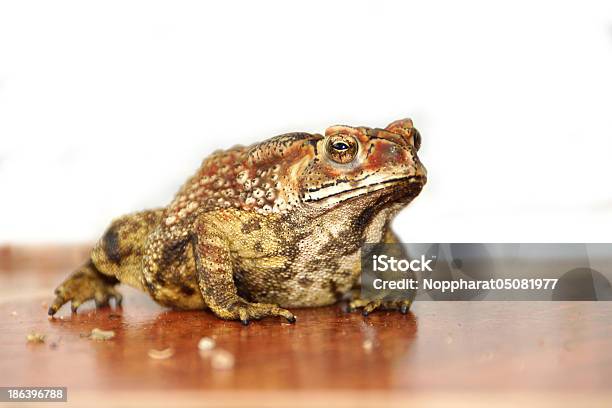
column 421, row 172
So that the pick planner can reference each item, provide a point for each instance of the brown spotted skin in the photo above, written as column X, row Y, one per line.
column 262, row 228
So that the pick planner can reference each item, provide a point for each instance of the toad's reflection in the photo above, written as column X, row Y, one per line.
column 326, row 348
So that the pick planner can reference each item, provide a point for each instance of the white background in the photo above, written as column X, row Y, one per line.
column 107, row 107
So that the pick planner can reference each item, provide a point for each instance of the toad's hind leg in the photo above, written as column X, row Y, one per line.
column 84, row 284
column 116, row 258
column 212, row 244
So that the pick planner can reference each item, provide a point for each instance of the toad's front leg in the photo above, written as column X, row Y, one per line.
column 368, row 305
column 393, row 249
column 214, row 265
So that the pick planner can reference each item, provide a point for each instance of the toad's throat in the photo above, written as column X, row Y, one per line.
column 336, row 195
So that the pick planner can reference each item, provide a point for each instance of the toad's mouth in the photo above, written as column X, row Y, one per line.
column 411, row 186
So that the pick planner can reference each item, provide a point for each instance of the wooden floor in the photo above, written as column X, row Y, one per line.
column 443, row 353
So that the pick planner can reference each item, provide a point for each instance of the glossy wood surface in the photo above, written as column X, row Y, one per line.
column 467, row 353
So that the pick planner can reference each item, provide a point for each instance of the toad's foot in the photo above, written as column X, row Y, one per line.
column 83, row 285
column 370, row 305
column 246, row 311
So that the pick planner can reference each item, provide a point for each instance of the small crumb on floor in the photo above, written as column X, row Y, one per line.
column 367, row 345
column 222, row 360
column 35, row 337
column 161, row 354
column 14, row 313
column 206, row 344
column 101, row 335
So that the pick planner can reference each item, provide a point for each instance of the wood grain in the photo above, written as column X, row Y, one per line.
column 442, row 352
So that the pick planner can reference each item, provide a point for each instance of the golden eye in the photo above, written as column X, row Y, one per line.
column 342, row 149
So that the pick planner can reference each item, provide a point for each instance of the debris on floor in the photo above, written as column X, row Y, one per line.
column 101, row 335
column 206, row 344
column 161, row 354
column 222, row 360
column 34, row 337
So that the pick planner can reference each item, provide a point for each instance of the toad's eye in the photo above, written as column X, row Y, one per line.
column 342, row 149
